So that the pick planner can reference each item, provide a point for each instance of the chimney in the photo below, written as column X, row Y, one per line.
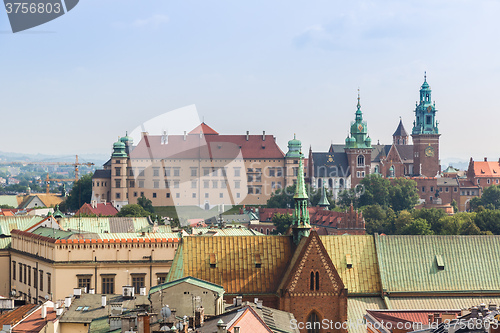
column 143, row 291
column 94, row 204
column 431, row 317
column 492, row 307
column 486, row 159
column 239, row 300
column 259, row 304
column 184, row 135
column 221, row 327
column 255, row 300
column 263, row 135
column 103, row 301
column 236, row 329
column 234, row 301
column 91, row 291
column 474, row 312
column 67, row 302
column 44, row 311
column 77, row 292
column 248, row 135
column 164, row 138
column 199, row 317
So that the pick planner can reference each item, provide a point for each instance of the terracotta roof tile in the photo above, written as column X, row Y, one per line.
column 14, row 316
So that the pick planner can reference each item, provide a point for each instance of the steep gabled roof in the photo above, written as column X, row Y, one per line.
column 191, row 280
column 100, row 209
column 453, row 264
column 355, row 259
column 400, row 131
column 231, row 262
column 325, row 167
column 486, row 169
column 205, row 129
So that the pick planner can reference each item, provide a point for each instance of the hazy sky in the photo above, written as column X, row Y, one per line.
column 71, row 86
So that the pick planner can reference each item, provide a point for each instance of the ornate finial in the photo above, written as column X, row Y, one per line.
column 359, row 105
column 425, row 76
column 126, row 133
column 294, row 136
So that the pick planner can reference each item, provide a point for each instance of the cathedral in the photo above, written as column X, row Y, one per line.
column 345, row 165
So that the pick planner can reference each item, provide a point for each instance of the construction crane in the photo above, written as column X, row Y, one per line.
column 47, row 179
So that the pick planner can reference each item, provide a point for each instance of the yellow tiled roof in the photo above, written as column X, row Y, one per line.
column 50, row 200
column 231, row 261
column 359, row 251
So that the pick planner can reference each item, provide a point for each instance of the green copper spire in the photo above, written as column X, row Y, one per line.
column 300, row 220
column 425, row 112
column 294, row 148
column 358, row 137
column 323, row 202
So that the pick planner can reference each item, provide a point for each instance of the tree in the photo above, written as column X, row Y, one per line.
column 433, row 216
column 491, row 197
column 282, row 222
column 133, row 210
column 349, row 197
column 146, row 204
column 378, row 219
column 454, row 204
column 282, row 198
column 5, row 206
column 417, row 227
column 80, row 194
column 403, row 194
column 315, row 197
column 375, row 191
column 488, row 220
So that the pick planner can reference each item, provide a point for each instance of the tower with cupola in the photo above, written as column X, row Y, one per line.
column 119, row 163
column 425, row 135
column 292, row 161
column 358, row 147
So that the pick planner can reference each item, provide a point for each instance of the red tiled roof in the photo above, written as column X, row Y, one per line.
column 415, row 316
column 35, row 322
column 103, row 209
column 205, row 129
column 213, row 146
column 486, row 169
column 15, row 316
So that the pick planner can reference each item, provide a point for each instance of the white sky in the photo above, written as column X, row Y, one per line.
column 73, row 85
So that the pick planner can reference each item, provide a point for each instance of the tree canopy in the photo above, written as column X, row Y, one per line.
column 81, row 193
column 133, row 210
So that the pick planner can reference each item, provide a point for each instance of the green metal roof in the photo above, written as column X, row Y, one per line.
column 10, row 200
column 4, row 243
column 106, row 224
column 8, row 223
column 409, row 264
column 53, row 233
column 177, row 269
column 189, row 279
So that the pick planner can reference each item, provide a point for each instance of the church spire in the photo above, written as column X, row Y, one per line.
column 425, row 112
column 359, row 114
column 300, row 219
column 323, row 202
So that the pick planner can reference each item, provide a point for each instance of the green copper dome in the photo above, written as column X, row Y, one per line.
column 127, row 139
column 359, row 131
column 119, row 149
column 294, row 148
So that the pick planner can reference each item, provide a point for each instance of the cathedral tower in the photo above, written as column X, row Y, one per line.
column 358, row 147
column 425, row 135
column 300, row 222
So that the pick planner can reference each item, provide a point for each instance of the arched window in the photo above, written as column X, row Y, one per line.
column 376, row 169
column 317, row 280
column 330, row 183
column 361, row 160
column 314, row 324
column 311, row 285
column 320, row 183
column 267, row 231
column 341, row 183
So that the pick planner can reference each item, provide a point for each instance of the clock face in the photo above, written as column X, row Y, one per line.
column 429, row 109
column 330, row 159
column 360, row 127
column 429, row 151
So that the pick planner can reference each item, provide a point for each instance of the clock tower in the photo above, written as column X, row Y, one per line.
column 425, row 135
column 358, row 147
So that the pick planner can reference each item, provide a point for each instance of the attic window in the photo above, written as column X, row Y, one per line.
column 213, row 260
column 482, row 171
column 258, row 261
column 263, row 147
column 440, row 262
column 348, row 260
column 494, row 171
column 79, row 308
column 86, row 308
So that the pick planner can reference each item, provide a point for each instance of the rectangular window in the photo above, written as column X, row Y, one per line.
column 258, row 190
column 154, row 194
column 168, row 195
column 29, row 275
column 206, row 184
column 117, row 195
column 488, row 181
column 176, row 184
column 35, row 278
column 135, row 194
column 423, row 188
column 108, row 284
column 272, row 172
column 428, row 120
column 118, row 183
column 132, row 184
column 215, row 172
column 25, row 279
column 206, row 195
column 167, row 172
column 214, row 183
column 221, row 195
column 295, row 171
column 446, row 189
column 118, row 171
column 14, row 270
column 206, row 172
column 156, row 184
column 194, row 195
column 194, row 172
column 279, row 172
column 131, row 172
column 156, row 172
column 432, row 188
column 222, row 184
column 237, row 195
column 249, row 178
column 49, row 278
column 455, row 189
column 177, row 195
column 273, row 185
column 223, row 172
column 41, row 280
column 237, row 172
column 237, row 184
column 250, row 189
column 137, row 283
column 177, row 172
column 161, row 277
column 141, row 172
column 193, row 184
column 84, row 282
column 20, row 272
